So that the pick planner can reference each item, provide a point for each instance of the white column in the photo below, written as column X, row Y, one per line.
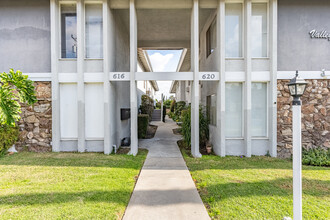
column 248, row 72
column 296, row 138
column 133, row 69
column 80, row 76
column 108, row 142
column 273, row 80
column 221, row 97
column 56, row 133
column 195, row 84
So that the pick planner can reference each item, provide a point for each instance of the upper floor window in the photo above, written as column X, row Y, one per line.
column 259, row 30
column 211, row 36
column 233, row 30
column 94, row 31
column 68, row 31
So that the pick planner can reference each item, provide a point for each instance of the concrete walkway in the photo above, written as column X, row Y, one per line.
column 165, row 189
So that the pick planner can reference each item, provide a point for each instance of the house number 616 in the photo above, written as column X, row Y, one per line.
column 208, row 76
column 118, row 76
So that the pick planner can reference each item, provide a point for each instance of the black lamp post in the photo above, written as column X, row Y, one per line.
column 297, row 88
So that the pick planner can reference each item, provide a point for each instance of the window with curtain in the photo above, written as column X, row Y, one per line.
column 259, row 30
column 259, row 110
column 234, row 110
column 94, row 31
column 68, row 31
column 211, row 38
column 211, row 107
column 233, row 30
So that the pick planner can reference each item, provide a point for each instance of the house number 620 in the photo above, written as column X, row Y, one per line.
column 118, row 76
column 208, row 76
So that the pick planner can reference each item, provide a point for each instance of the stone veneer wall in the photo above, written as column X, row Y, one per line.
column 315, row 116
column 36, row 123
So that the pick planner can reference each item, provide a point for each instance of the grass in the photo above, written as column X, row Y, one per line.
column 67, row 185
column 257, row 187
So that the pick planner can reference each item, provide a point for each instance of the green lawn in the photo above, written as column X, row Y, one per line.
column 258, row 187
column 67, row 185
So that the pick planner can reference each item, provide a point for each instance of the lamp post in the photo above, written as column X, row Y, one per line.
column 297, row 88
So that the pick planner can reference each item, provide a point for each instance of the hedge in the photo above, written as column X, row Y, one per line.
column 147, row 105
column 143, row 122
column 316, row 157
column 8, row 137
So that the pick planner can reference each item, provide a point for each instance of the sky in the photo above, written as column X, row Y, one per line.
column 164, row 61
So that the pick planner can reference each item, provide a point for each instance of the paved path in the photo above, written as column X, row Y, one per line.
column 165, row 189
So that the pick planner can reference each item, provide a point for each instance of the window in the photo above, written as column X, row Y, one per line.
column 259, row 30
column 211, row 38
column 211, row 107
column 233, row 30
column 259, row 109
column 234, row 112
column 68, row 31
column 94, row 31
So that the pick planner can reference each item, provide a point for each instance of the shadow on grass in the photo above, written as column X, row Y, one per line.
column 119, row 197
column 75, row 159
column 277, row 187
column 237, row 162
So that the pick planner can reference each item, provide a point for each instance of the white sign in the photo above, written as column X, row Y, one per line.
column 320, row 35
column 209, row 76
column 119, row 76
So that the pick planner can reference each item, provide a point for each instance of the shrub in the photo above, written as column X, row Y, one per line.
column 316, row 157
column 147, row 105
column 168, row 103
column 8, row 137
column 172, row 107
column 158, row 105
column 179, row 106
column 203, row 127
column 164, row 112
column 143, row 122
column 15, row 88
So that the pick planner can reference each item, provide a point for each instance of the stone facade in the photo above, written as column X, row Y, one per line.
column 36, row 123
column 315, row 116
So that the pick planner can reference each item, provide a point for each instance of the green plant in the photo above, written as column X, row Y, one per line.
column 8, row 137
column 15, row 88
column 203, row 127
column 158, row 105
column 316, row 157
column 147, row 105
column 179, row 107
column 143, row 122
column 172, row 107
column 167, row 103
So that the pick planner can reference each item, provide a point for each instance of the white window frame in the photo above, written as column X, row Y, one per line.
column 243, row 28
column 243, row 118
column 267, row 113
column 63, row 2
column 268, row 28
column 90, row 2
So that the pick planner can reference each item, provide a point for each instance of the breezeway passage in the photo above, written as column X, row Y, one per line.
column 165, row 189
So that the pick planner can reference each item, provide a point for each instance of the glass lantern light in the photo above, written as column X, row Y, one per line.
column 297, row 87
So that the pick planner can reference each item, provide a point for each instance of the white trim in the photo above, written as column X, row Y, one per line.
column 54, row 39
column 81, row 75
column 163, row 76
column 231, row 76
column 303, row 74
column 39, row 77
